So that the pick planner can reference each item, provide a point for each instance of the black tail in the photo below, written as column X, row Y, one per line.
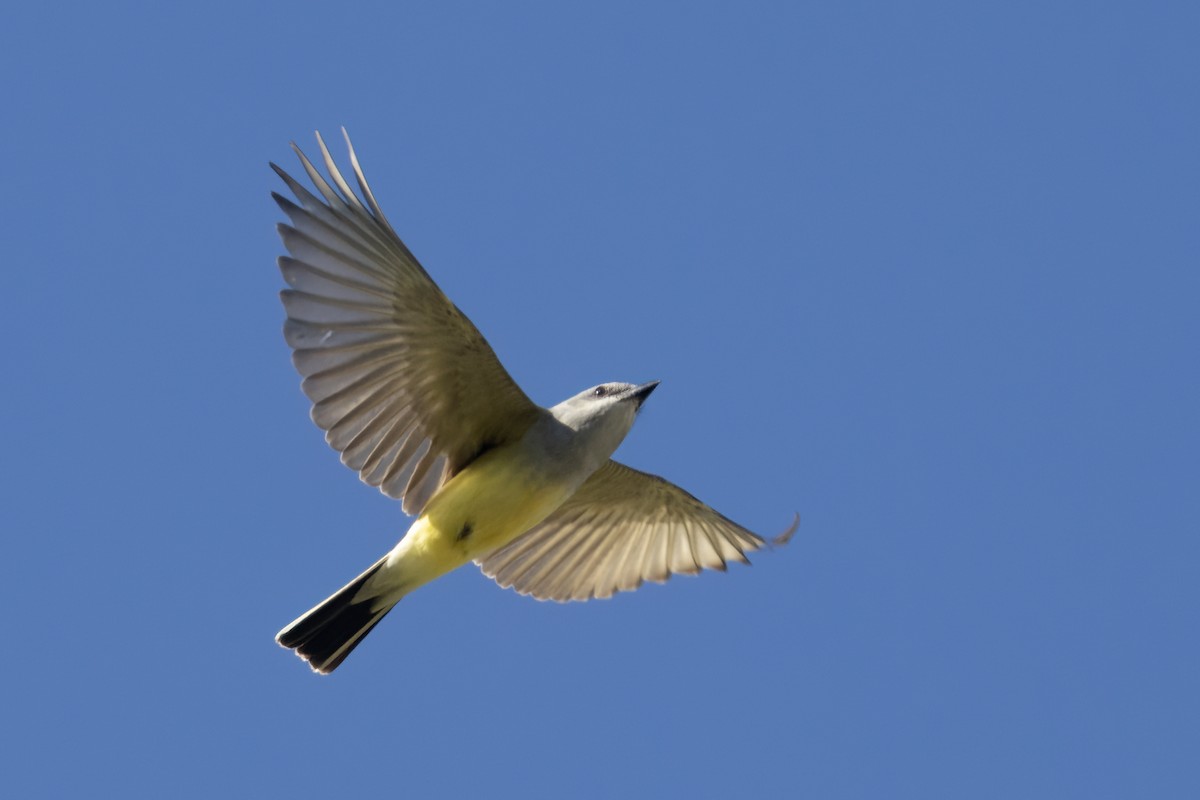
column 328, row 633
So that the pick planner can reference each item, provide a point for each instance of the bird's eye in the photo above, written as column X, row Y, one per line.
column 600, row 391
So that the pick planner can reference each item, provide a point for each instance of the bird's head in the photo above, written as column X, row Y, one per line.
column 605, row 412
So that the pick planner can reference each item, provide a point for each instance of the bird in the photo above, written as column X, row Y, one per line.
column 416, row 402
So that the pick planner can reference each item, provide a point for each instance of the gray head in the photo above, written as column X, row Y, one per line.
column 604, row 413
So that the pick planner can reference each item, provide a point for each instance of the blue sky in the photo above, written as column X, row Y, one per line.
column 926, row 273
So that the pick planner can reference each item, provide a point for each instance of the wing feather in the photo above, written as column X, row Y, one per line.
column 621, row 528
column 405, row 387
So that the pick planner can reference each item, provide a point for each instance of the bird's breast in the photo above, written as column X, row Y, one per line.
column 498, row 497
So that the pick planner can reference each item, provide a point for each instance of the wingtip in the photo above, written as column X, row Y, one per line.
column 786, row 536
column 324, row 147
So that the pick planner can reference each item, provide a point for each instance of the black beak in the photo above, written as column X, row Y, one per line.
column 642, row 392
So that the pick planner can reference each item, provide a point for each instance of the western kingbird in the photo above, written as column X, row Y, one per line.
column 415, row 400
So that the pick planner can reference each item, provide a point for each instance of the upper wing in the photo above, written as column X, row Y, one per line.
column 621, row 528
column 406, row 388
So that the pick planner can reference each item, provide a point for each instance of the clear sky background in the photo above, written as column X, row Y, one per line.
column 927, row 273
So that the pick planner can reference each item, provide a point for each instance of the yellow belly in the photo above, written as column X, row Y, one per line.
column 483, row 507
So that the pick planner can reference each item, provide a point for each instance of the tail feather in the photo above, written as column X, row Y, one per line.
column 329, row 632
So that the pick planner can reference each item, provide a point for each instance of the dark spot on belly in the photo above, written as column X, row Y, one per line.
column 465, row 532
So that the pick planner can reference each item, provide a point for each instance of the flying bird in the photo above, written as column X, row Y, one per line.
column 414, row 399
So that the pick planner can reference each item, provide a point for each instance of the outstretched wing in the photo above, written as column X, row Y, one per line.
column 405, row 387
column 621, row 528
